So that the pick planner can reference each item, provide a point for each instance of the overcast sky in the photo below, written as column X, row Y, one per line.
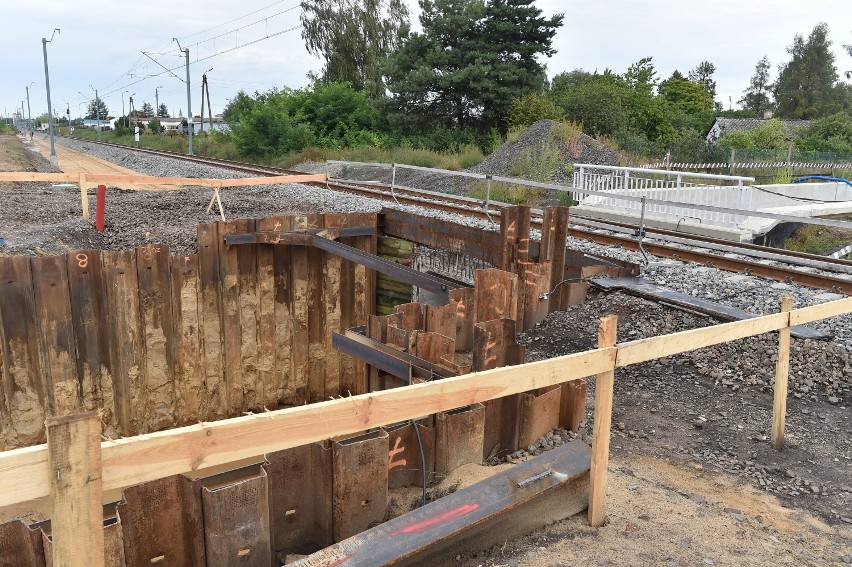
column 101, row 45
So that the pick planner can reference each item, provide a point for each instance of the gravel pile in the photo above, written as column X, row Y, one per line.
column 818, row 369
column 541, row 137
column 532, row 142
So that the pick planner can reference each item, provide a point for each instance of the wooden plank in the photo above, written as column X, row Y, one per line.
column 253, row 387
column 118, row 180
column 157, row 397
column 85, row 283
column 57, row 345
column 782, row 371
column 24, row 389
column 332, row 310
column 643, row 350
column 229, row 274
column 30, row 176
column 190, row 391
column 275, row 325
column 127, row 462
column 821, row 311
column 126, row 345
column 74, row 457
column 496, row 295
column 316, row 371
column 299, row 302
column 274, row 180
column 604, row 383
column 211, row 325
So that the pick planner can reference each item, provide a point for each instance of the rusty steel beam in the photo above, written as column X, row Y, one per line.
column 360, row 483
column 355, row 343
column 510, row 504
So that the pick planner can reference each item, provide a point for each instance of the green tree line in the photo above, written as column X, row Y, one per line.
column 477, row 69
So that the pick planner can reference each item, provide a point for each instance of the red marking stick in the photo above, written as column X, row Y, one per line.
column 439, row 519
column 101, row 208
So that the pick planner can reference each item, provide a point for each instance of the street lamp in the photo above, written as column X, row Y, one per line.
column 53, row 159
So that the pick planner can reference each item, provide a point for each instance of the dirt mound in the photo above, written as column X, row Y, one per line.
column 547, row 150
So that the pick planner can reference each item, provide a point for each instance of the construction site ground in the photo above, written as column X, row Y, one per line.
column 692, row 478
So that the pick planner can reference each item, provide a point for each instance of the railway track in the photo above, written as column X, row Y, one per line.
column 724, row 255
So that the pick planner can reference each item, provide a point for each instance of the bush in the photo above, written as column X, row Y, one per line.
column 531, row 108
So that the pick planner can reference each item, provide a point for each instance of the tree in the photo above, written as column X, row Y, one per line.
column 163, row 111
column 682, row 93
column 703, row 75
column 472, row 58
column 353, row 37
column 805, row 86
column 97, row 108
column 147, row 110
column 533, row 107
column 155, row 126
column 756, row 96
column 237, row 106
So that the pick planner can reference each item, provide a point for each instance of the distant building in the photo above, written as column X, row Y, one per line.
column 198, row 126
column 92, row 124
column 724, row 125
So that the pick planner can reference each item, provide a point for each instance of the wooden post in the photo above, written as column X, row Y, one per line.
column 84, row 196
column 74, row 460
column 782, row 370
column 604, row 383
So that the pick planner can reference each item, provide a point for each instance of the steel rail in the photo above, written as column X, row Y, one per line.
column 462, row 206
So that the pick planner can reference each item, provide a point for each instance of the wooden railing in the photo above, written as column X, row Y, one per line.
column 74, row 467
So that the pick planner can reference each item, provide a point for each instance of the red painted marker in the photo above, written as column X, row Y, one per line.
column 101, row 208
column 439, row 519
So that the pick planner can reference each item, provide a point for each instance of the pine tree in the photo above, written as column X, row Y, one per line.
column 472, row 58
column 97, row 108
column 756, row 96
column 805, row 86
column 163, row 111
column 147, row 110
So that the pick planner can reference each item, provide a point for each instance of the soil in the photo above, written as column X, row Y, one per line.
column 692, row 478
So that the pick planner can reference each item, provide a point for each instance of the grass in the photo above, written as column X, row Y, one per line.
column 816, row 239
column 220, row 147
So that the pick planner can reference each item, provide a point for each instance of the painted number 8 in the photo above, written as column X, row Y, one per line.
column 82, row 260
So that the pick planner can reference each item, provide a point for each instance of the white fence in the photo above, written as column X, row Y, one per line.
column 668, row 192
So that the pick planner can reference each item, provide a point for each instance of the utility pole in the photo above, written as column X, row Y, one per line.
column 29, row 113
column 53, row 159
column 157, row 100
column 188, row 96
column 97, row 111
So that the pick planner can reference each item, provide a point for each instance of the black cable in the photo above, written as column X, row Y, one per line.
column 803, row 199
column 422, row 459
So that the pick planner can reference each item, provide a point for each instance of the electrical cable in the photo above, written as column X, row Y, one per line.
column 197, row 43
column 803, row 199
column 237, row 19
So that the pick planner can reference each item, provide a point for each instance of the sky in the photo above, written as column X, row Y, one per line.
column 125, row 50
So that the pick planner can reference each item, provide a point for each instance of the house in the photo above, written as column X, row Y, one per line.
column 724, row 125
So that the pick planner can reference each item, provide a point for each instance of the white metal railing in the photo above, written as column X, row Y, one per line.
column 667, row 192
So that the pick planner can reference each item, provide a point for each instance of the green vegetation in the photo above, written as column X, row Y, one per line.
column 815, row 239
column 475, row 76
